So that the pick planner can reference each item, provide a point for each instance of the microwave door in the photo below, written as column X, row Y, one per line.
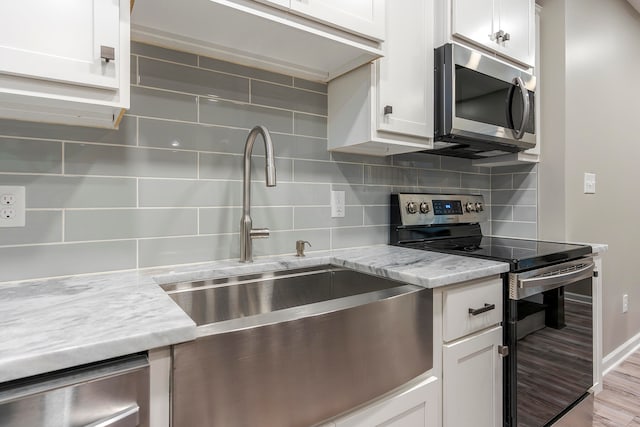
column 479, row 104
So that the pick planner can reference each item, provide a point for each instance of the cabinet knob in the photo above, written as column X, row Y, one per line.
column 388, row 109
column 107, row 53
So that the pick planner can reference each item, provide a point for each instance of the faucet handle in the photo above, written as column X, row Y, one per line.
column 300, row 247
column 259, row 233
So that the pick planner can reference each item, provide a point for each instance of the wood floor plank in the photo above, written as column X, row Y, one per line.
column 618, row 405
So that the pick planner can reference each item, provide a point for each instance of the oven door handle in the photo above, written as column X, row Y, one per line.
column 557, row 280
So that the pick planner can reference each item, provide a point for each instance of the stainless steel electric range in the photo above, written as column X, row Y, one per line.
column 548, row 315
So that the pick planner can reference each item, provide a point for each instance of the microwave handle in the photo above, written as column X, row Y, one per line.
column 525, row 111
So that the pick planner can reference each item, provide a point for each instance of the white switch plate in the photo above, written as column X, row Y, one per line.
column 589, row 183
column 12, row 206
column 337, row 204
column 625, row 303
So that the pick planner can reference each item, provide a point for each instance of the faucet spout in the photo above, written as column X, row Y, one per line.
column 247, row 233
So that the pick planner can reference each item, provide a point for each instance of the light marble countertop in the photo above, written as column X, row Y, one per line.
column 52, row 324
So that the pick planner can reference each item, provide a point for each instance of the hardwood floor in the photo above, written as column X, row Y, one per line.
column 618, row 405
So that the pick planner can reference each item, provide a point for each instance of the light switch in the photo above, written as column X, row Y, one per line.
column 589, row 183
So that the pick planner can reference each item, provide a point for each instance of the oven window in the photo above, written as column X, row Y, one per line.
column 482, row 98
column 554, row 352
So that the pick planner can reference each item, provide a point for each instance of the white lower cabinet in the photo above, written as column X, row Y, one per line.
column 414, row 406
column 472, row 386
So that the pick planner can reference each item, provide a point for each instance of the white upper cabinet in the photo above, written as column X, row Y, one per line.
column 364, row 17
column 506, row 27
column 386, row 108
column 64, row 62
column 313, row 39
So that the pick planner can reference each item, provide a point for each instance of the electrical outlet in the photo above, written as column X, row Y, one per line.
column 12, row 206
column 625, row 303
column 337, row 204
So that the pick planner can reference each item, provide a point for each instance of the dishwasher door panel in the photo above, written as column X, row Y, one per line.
column 109, row 394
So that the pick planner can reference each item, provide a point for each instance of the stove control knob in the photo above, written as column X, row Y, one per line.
column 470, row 207
column 424, row 207
column 412, row 207
column 479, row 207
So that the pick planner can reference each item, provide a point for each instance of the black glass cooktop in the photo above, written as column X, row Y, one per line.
column 521, row 254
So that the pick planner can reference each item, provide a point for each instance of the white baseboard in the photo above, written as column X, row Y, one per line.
column 617, row 356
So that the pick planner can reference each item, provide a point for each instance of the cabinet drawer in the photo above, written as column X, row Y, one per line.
column 483, row 297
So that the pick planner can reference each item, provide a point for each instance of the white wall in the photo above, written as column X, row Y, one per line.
column 596, row 89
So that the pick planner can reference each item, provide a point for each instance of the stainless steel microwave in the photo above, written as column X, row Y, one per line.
column 484, row 107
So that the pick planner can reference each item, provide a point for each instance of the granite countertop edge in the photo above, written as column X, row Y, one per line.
column 53, row 324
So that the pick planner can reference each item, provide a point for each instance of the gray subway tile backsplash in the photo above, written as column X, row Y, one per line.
column 443, row 179
column 227, row 220
column 306, row 84
column 230, row 166
column 181, row 78
column 346, row 237
column 514, row 197
column 29, row 262
column 527, row 230
column 165, row 188
column 163, row 104
column 188, row 193
column 51, row 192
column 124, row 135
column 235, row 114
column 309, row 125
column 289, row 98
column 475, row 180
column 320, row 217
column 387, row 175
column 111, row 224
column 339, row 173
column 30, row 156
column 241, row 70
column 41, row 227
column 191, row 136
column 163, row 53
column 185, row 250
column 89, row 159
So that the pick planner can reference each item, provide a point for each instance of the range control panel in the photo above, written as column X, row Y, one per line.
column 428, row 209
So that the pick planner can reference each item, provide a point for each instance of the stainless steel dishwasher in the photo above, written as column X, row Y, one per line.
column 107, row 394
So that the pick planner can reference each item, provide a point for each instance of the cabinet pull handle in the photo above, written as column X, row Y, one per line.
column 476, row 311
column 388, row 109
column 503, row 350
column 107, row 53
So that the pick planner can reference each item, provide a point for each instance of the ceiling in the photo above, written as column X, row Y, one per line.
column 635, row 3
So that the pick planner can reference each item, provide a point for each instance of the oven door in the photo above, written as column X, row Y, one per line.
column 549, row 317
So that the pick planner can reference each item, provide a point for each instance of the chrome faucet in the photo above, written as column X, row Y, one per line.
column 247, row 233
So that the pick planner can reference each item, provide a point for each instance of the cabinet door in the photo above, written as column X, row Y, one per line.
column 365, row 17
column 61, row 41
column 474, row 20
column 416, row 407
column 405, row 73
column 472, row 389
column 517, row 18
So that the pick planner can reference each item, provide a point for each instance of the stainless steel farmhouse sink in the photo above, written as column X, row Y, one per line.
column 296, row 347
